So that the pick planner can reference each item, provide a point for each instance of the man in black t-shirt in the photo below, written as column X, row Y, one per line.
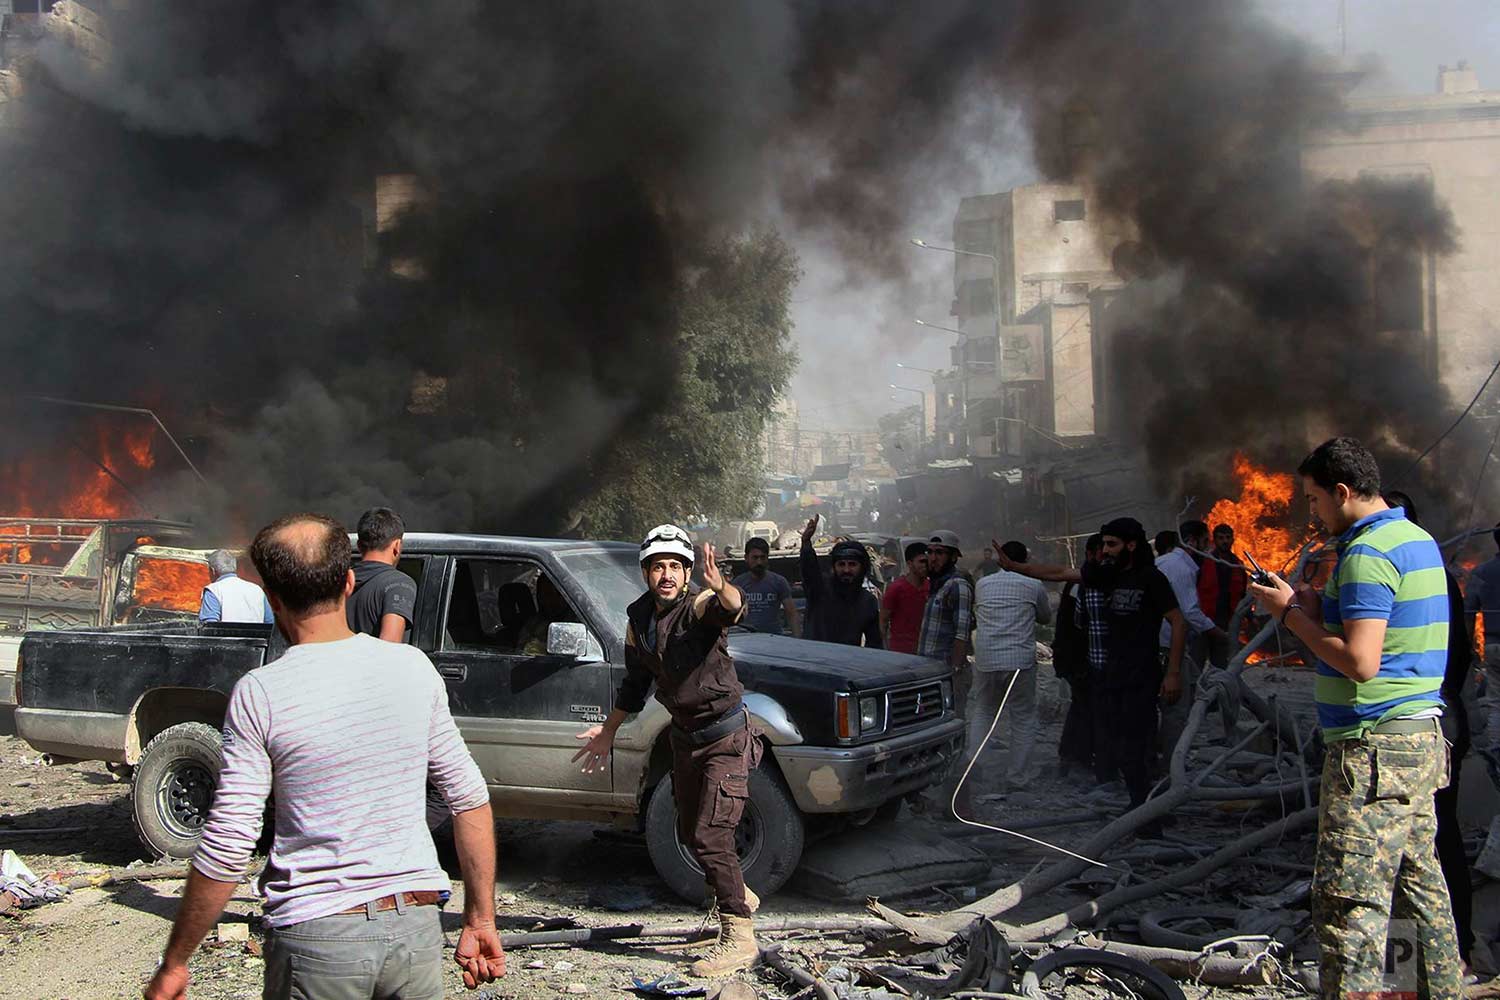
column 384, row 598
column 1138, row 597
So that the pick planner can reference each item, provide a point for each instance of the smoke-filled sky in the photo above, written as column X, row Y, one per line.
column 188, row 236
column 1407, row 41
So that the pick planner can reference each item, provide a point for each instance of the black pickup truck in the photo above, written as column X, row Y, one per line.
column 529, row 636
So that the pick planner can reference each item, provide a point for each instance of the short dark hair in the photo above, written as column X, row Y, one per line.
column 1220, row 528
column 379, row 527
column 757, row 544
column 1497, row 534
column 1015, row 551
column 1343, row 460
column 1094, row 544
column 302, row 573
column 915, row 549
column 1192, row 529
column 1402, row 499
column 1166, row 541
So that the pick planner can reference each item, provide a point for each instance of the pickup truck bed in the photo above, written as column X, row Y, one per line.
column 849, row 732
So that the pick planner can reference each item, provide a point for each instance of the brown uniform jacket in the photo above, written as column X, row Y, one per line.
column 686, row 655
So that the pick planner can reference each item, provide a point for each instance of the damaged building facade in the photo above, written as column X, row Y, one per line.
column 1023, row 418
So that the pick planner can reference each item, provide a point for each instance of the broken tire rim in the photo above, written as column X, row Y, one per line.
column 1140, row 979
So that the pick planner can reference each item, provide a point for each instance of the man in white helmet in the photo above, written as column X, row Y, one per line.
column 677, row 638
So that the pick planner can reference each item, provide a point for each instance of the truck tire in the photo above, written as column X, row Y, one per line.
column 174, row 787
column 770, row 838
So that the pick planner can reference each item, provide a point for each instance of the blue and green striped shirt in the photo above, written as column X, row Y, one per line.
column 1387, row 568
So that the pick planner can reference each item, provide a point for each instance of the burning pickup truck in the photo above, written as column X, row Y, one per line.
column 529, row 636
column 75, row 572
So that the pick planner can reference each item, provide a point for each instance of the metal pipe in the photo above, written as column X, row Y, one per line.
column 137, row 410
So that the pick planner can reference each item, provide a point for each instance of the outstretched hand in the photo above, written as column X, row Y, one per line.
column 811, row 529
column 713, row 577
column 595, row 752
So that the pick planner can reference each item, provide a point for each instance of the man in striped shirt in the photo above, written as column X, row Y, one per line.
column 348, row 730
column 1380, row 633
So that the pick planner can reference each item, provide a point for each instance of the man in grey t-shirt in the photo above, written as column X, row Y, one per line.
column 768, row 595
column 384, row 598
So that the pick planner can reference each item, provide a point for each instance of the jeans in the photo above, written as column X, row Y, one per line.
column 1019, row 718
column 383, row 955
column 1489, row 705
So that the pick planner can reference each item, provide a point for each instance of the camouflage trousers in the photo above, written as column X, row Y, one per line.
column 1376, row 829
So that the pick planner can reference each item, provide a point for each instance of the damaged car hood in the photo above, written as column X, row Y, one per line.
column 765, row 660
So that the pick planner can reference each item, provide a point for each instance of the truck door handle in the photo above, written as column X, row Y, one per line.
column 454, row 672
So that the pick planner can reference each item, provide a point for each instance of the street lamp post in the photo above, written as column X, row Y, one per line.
column 994, row 279
column 999, row 316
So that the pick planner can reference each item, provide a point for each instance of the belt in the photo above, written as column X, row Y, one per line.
column 1408, row 727
column 422, row 897
column 730, row 722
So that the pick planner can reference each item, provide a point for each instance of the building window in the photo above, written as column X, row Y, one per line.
column 952, row 440
column 976, row 236
column 1068, row 211
column 1075, row 288
column 976, row 297
column 1398, row 291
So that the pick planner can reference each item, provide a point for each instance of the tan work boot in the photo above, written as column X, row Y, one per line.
column 736, row 949
column 751, row 899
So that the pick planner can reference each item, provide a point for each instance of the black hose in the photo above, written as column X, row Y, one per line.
column 1156, row 984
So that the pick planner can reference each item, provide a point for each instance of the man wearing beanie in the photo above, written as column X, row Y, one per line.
column 839, row 608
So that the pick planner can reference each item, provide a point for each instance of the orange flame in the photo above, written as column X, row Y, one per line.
column 1261, row 516
column 85, row 478
column 169, row 584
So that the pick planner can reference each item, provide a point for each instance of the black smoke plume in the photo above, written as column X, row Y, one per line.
column 190, row 219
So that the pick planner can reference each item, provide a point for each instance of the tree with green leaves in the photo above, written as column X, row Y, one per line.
column 700, row 456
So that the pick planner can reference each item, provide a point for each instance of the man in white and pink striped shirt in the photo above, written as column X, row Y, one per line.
column 347, row 731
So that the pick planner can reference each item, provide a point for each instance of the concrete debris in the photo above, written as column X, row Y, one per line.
column 233, row 933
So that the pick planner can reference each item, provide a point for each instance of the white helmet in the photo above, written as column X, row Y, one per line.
column 667, row 539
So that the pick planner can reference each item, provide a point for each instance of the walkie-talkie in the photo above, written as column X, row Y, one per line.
column 1260, row 577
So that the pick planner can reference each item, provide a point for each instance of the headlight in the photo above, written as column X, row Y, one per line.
column 869, row 715
column 947, row 695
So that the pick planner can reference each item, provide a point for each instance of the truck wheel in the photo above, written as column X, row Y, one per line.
column 769, row 837
column 174, row 787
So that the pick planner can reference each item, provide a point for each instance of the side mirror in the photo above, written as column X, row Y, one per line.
column 567, row 639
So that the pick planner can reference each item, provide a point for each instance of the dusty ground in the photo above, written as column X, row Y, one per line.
column 102, row 943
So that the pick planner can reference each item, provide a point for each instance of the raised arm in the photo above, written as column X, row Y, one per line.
column 812, row 573
column 1037, row 571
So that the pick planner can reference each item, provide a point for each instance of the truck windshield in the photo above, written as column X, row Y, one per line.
column 612, row 580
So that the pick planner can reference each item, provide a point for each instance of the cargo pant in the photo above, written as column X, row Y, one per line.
column 710, row 784
column 1376, row 827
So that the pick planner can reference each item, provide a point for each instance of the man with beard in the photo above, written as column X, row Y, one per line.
column 1139, row 672
column 768, row 595
column 949, row 616
column 1221, row 587
column 902, row 603
column 839, row 608
column 677, row 637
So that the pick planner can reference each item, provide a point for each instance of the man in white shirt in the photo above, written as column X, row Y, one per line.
column 1007, row 608
column 229, row 599
column 1181, row 570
